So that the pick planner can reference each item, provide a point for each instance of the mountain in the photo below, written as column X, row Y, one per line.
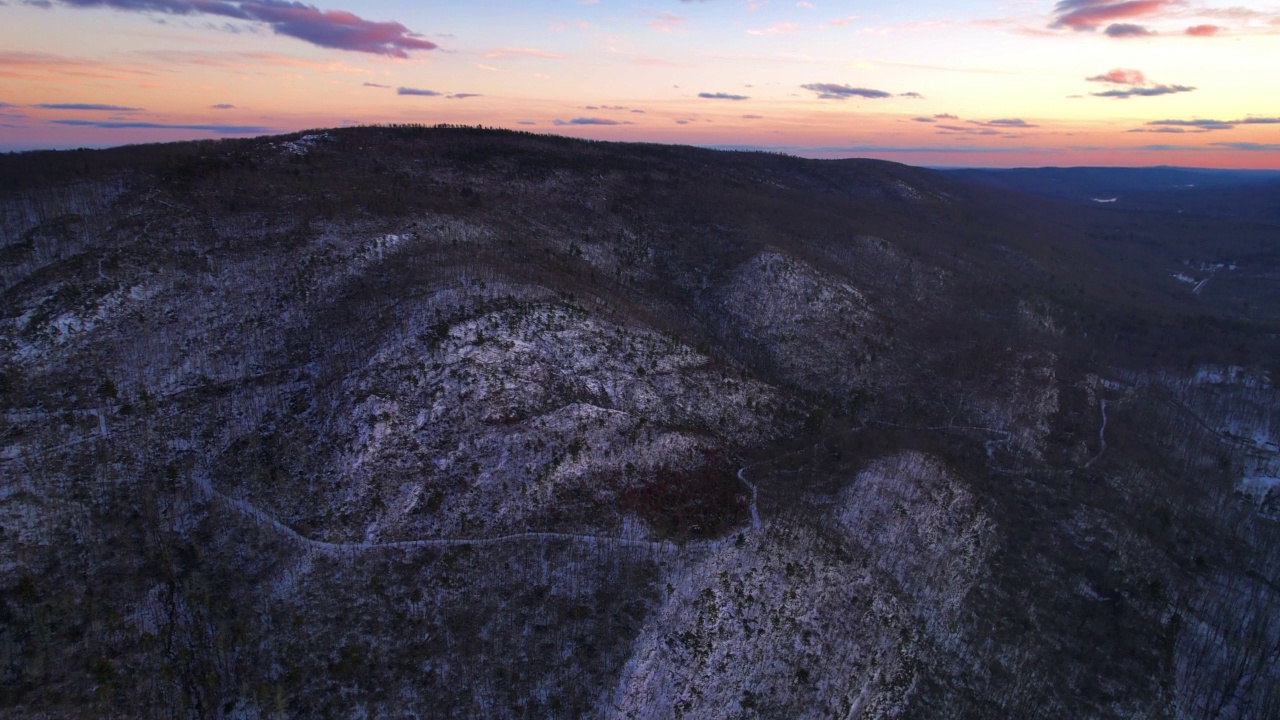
column 1087, row 183
column 1230, row 194
column 451, row 422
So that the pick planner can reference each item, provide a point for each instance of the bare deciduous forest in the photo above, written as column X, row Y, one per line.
column 453, row 422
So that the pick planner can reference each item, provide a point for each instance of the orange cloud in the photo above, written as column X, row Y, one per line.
column 528, row 52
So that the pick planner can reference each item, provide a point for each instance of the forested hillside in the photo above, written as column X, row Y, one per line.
column 448, row 422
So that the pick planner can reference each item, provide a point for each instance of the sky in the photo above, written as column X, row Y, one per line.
column 976, row 84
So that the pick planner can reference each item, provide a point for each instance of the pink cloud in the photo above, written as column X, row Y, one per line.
column 667, row 22
column 527, row 52
column 1089, row 14
column 562, row 26
column 1121, row 76
column 779, row 29
column 842, row 21
column 1203, row 30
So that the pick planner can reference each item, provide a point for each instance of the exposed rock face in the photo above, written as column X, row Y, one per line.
column 446, row 423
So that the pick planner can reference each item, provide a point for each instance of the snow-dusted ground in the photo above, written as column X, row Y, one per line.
column 1259, row 485
column 304, row 144
column 811, row 623
column 504, row 415
column 782, row 302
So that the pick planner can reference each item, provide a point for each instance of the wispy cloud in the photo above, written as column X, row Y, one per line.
column 1207, row 124
column 785, row 28
column 1198, row 124
column 667, row 22
column 1248, row 146
column 87, row 106
column 1151, row 91
column 912, row 95
column 1090, row 14
column 1005, row 122
column 222, row 106
column 832, row 91
column 566, row 24
column 419, row 92
column 376, row 85
column 527, row 52
column 984, row 128
column 883, row 149
column 965, row 130
column 591, row 121
column 722, row 96
column 1239, row 146
column 337, row 29
column 220, row 129
column 1167, row 148
column 924, row 120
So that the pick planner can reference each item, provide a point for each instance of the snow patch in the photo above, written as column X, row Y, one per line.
column 906, row 191
column 1259, row 485
column 1232, row 375
column 304, row 144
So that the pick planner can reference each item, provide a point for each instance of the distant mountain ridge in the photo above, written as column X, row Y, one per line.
column 1082, row 183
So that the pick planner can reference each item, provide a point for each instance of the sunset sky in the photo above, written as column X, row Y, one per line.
column 1076, row 82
